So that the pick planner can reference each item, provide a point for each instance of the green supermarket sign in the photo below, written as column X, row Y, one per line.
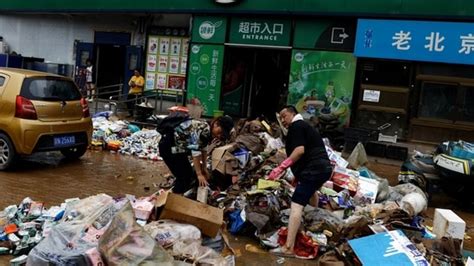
column 255, row 31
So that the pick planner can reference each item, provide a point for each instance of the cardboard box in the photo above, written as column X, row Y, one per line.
column 161, row 198
column 344, row 178
column 220, row 156
column 207, row 218
column 447, row 223
column 367, row 190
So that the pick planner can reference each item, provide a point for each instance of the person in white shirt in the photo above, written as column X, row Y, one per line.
column 89, row 83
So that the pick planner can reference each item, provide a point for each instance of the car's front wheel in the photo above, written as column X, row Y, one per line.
column 74, row 152
column 7, row 152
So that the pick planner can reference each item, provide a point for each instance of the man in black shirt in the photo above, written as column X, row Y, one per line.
column 309, row 163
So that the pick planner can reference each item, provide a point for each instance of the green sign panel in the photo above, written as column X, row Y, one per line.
column 321, row 85
column 205, row 75
column 260, row 31
column 325, row 34
column 209, row 29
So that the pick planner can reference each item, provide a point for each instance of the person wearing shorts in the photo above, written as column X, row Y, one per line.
column 310, row 165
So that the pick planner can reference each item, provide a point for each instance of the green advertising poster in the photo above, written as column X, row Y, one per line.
column 321, row 85
column 257, row 31
column 205, row 75
column 209, row 29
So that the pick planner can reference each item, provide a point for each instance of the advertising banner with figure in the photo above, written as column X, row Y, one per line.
column 321, row 86
column 205, row 75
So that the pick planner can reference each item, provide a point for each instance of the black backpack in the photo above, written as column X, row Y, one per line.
column 169, row 123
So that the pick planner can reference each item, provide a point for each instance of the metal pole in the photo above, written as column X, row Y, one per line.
column 95, row 97
column 156, row 99
column 161, row 102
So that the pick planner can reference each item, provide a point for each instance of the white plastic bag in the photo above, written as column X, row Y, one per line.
column 167, row 232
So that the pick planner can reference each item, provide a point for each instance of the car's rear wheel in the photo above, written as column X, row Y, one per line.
column 7, row 152
column 74, row 152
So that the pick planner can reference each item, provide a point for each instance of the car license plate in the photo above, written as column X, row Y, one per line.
column 64, row 141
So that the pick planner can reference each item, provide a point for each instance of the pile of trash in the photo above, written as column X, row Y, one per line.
column 124, row 137
column 101, row 230
column 354, row 204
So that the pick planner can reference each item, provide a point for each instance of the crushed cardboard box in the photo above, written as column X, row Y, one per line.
column 220, row 156
column 207, row 218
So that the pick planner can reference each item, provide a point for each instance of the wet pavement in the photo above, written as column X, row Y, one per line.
column 49, row 178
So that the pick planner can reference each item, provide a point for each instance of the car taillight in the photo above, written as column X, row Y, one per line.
column 85, row 108
column 25, row 109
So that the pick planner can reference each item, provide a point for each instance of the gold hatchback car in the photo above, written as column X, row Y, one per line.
column 41, row 112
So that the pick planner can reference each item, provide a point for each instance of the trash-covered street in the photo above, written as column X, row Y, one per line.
column 47, row 196
column 51, row 180
column 230, row 132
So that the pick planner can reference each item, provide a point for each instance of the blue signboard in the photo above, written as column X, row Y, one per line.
column 446, row 42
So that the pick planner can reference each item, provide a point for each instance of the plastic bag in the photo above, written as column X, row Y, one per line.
column 236, row 221
column 272, row 143
column 166, row 232
column 304, row 244
column 320, row 219
column 263, row 211
column 198, row 254
column 61, row 247
column 68, row 241
column 126, row 243
column 358, row 156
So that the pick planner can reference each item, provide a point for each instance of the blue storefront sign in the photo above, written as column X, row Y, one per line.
column 445, row 42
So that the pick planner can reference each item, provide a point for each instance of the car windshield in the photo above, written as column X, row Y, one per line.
column 50, row 89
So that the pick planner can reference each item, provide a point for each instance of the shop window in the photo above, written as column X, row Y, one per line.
column 468, row 104
column 446, row 101
column 437, row 100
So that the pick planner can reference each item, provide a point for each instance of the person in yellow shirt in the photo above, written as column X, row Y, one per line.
column 136, row 85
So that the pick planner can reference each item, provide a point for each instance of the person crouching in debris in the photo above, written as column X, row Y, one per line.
column 182, row 136
column 221, row 129
column 310, row 165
